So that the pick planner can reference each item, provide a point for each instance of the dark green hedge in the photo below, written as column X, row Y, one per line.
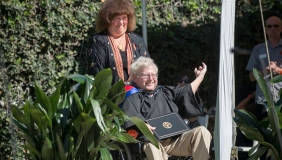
column 42, row 42
column 45, row 40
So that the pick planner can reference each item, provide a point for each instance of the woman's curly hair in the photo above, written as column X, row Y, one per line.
column 112, row 8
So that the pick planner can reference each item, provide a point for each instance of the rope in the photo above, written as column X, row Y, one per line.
column 266, row 46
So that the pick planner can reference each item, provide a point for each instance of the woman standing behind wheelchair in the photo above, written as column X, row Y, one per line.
column 115, row 46
column 153, row 100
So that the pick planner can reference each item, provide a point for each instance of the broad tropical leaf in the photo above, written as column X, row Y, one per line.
column 103, row 82
column 47, row 152
column 97, row 112
column 61, row 151
column 251, row 133
column 43, row 101
column 262, row 84
column 105, row 154
column 270, row 146
column 145, row 130
column 258, row 153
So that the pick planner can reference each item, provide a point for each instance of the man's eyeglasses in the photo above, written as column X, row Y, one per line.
column 147, row 76
column 274, row 26
column 183, row 80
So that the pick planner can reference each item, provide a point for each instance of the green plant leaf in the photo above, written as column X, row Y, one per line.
column 117, row 93
column 64, row 102
column 44, row 102
column 271, row 147
column 112, row 145
column 54, row 98
column 145, row 130
column 77, row 123
column 79, row 140
column 78, row 78
column 276, row 79
column 280, row 118
column 116, row 110
column 251, row 133
column 27, row 113
column 90, row 138
column 87, row 89
column 103, row 81
column 68, row 145
column 47, row 150
column 63, row 117
column 88, row 122
column 29, row 139
column 118, row 122
column 253, row 149
column 262, row 84
column 269, row 153
column 32, row 150
column 22, row 127
column 78, row 102
column 61, row 151
column 125, row 138
column 271, row 117
column 247, row 118
column 40, row 120
column 258, row 153
column 105, row 154
column 238, row 121
column 97, row 112
column 19, row 115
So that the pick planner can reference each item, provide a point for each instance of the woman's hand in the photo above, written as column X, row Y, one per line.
column 201, row 71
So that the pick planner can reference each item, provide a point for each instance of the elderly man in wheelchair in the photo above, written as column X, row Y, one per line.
column 153, row 100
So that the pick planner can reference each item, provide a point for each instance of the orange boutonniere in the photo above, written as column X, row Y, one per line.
column 281, row 52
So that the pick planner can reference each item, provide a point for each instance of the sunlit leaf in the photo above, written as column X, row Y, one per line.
column 78, row 102
column 78, row 78
column 44, row 101
column 105, row 154
column 98, row 115
column 103, row 81
column 145, row 130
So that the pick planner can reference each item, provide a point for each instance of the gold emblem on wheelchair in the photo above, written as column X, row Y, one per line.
column 167, row 125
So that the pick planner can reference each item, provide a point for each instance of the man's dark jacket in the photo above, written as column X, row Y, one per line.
column 163, row 100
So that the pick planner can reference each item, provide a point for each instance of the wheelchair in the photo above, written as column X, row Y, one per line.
column 134, row 151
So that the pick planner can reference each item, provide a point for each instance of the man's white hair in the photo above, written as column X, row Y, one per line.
column 140, row 64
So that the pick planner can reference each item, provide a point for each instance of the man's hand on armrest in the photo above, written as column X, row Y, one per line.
column 150, row 127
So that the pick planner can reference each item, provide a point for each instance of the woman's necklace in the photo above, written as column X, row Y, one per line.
column 120, row 47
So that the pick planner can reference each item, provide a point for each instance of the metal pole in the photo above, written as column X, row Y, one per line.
column 144, row 23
